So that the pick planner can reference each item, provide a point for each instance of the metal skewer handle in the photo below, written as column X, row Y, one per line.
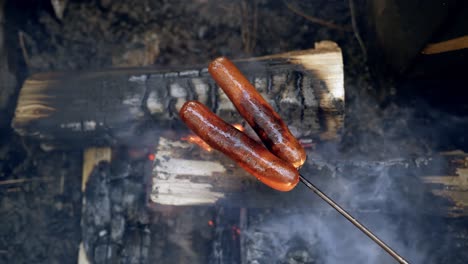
column 353, row 220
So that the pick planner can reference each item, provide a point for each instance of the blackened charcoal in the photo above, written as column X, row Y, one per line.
column 117, row 228
column 115, row 201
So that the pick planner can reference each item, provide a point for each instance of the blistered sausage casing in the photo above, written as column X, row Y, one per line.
column 246, row 152
column 268, row 125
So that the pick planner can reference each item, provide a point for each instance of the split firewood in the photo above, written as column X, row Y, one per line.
column 451, row 183
column 184, row 174
column 119, row 106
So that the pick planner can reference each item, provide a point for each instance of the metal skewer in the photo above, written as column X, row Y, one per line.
column 353, row 220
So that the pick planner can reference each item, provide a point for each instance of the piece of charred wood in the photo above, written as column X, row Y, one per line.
column 121, row 105
column 114, row 220
column 450, row 183
column 99, row 206
column 184, row 174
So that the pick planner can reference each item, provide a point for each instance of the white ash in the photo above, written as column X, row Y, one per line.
column 135, row 105
column 177, row 91
column 89, row 125
column 154, row 104
column 134, row 100
column 138, row 79
column 201, row 89
column 260, row 84
column 75, row 126
column 191, row 73
column 224, row 102
column 171, row 74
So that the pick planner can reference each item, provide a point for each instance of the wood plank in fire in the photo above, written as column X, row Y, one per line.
column 123, row 106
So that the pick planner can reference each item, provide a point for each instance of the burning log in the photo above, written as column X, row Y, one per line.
column 187, row 176
column 114, row 217
column 184, row 174
column 91, row 158
column 121, row 105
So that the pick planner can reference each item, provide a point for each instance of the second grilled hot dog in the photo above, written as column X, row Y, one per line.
column 246, row 152
column 273, row 132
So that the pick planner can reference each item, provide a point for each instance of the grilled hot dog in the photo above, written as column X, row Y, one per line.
column 246, row 152
column 273, row 132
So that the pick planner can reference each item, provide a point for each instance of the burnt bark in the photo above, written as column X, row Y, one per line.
column 121, row 105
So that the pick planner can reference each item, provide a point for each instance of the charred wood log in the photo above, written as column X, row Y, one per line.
column 117, row 226
column 115, row 221
column 121, row 105
column 97, row 213
column 450, row 183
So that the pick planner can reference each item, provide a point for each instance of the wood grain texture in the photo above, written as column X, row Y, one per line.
column 91, row 158
column 127, row 105
column 446, row 46
column 186, row 175
column 451, row 184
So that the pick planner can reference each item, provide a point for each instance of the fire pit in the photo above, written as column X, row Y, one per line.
column 170, row 172
column 96, row 158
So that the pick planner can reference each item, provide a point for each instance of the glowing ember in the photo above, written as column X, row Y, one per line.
column 239, row 127
column 236, row 230
column 151, row 157
column 197, row 140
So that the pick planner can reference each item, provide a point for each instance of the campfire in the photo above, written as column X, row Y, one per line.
column 100, row 86
column 179, row 170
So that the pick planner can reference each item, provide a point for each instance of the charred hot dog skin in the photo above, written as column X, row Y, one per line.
column 246, row 152
column 269, row 126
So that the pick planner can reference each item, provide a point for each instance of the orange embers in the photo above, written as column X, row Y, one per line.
column 194, row 139
column 239, row 127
